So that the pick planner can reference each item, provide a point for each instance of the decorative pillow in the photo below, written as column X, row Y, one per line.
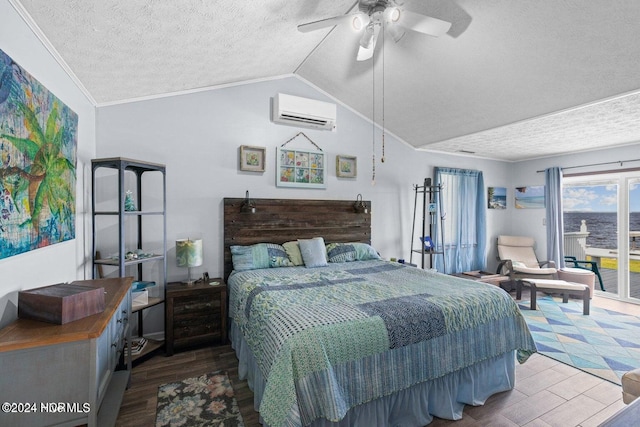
column 278, row 256
column 346, row 252
column 293, row 251
column 365, row 252
column 314, row 253
column 261, row 255
column 341, row 252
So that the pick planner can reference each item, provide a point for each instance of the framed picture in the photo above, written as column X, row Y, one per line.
column 530, row 197
column 496, row 198
column 301, row 168
column 346, row 166
column 252, row 158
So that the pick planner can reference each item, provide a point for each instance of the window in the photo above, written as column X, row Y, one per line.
column 463, row 204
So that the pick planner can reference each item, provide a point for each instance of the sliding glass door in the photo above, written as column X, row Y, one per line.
column 634, row 236
column 590, row 215
column 602, row 224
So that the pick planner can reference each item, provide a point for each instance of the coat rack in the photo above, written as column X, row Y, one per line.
column 430, row 202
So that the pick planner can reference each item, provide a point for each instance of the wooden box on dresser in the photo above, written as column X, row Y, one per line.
column 196, row 314
column 65, row 374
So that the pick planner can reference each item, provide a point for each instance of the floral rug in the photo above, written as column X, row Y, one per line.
column 206, row 400
column 605, row 343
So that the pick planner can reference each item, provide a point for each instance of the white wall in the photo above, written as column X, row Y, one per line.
column 63, row 261
column 198, row 135
column 526, row 174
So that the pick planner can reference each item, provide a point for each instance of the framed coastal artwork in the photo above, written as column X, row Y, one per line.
column 252, row 159
column 529, row 197
column 346, row 167
column 497, row 197
column 300, row 168
column 38, row 143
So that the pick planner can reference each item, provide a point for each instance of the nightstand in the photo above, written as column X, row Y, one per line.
column 195, row 314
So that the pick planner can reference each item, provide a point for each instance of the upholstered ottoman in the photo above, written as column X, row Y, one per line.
column 578, row 275
column 555, row 287
column 631, row 386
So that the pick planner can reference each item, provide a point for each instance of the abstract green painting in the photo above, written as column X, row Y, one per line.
column 38, row 140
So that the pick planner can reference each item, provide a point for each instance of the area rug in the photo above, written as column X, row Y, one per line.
column 605, row 343
column 206, row 400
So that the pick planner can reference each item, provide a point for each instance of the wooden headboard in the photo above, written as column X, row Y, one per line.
column 282, row 220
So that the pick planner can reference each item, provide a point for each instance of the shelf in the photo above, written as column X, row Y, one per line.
column 129, row 164
column 152, row 301
column 115, row 213
column 116, row 263
column 430, row 195
column 420, row 251
column 134, row 229
column 150, row 346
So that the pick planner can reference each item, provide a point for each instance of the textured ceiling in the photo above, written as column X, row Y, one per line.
column 511, row 80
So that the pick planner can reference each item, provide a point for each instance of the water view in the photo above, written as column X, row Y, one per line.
column 602, row 227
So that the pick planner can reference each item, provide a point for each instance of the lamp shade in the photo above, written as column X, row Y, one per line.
column 189, row 252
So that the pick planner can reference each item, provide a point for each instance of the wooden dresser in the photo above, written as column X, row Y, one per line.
column 65, row 374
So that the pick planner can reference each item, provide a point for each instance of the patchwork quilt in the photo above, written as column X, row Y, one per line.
column 330, row 328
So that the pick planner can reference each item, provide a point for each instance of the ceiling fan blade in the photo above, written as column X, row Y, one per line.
column 423, row 24
column 364, row 53
column 324, row 23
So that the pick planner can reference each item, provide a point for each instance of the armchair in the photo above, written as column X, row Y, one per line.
column 585, row 265
column 518, row 259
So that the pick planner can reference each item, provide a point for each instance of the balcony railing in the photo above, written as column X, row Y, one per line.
column 575, row 242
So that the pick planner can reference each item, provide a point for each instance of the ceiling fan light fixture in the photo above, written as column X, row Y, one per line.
column 358, row 22
column 392, row 14
column 377, row 16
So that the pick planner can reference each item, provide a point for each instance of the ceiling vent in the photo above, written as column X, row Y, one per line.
column 303, row 112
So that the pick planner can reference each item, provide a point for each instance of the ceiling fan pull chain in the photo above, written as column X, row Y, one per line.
column 383, row 127
column 373, row 120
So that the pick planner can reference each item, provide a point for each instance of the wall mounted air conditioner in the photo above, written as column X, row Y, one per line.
column 303, row 112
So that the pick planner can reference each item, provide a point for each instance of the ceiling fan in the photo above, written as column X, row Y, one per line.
column 376, row 15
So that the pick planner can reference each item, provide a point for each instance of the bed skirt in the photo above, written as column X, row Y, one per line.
column 443, row 397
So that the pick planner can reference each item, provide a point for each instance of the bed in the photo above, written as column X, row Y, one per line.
column 359, row 341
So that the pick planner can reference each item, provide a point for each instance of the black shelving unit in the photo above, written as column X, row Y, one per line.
column 430, row 203
column 131, row 229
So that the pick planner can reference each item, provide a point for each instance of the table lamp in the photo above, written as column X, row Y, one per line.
column 189, row 254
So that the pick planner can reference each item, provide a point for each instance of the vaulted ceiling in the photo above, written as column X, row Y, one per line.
column 511, row 80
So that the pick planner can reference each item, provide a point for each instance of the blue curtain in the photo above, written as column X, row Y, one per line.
column 555, row 222
column 462, row 237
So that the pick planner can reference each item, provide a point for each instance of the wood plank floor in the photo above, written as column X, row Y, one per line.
column 547, row 393
column 610, row 282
